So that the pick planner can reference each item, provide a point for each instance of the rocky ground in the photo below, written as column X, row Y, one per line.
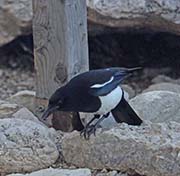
column 133, row 33
column 152, row 149
column 28, row 146
column 12, row 81
column 16, row 67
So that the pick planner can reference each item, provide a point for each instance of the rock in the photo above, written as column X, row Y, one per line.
column 106, row 123
column 59, row 120
column 120, row 174
column 111, row 173
column 149, row 149
column 25, row 98
column 162, row 78
column 65, row 121
column 165, row 87
column 7, row 109
column 177, row 81
column 11, row 81
column 158, row 15
column 152, row 72
column 26, row 146
column 56, row 172
column 157, row 106
column 129, row 90
column 10, row 110
column 24, row 113
column 1, row 72
column 16, row 19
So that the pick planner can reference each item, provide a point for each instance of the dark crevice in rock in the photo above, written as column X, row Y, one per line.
column 18, row 54
column 154, row 50
column 131, row 48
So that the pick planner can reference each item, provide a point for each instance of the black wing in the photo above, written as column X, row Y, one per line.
column 124, row 113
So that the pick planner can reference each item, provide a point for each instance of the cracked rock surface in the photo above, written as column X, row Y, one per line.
column 165, row 86
column 15, row 19
column 25, row 146
column 58, row 172
column 151, row 149
column 157, row 106
column 7, row 109
column 155, row 14
column 24, row 98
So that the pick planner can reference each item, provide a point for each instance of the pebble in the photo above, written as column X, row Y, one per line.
column 11, row 82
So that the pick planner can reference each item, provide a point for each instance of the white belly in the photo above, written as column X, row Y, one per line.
column 110, row 101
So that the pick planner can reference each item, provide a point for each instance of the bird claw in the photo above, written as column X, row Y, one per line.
column 87, row 131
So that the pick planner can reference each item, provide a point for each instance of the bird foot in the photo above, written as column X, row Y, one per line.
column 87, row 131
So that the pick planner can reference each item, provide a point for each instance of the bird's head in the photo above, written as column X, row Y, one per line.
column 55, row 103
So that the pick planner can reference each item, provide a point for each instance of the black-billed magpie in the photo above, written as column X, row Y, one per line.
column 97, row 92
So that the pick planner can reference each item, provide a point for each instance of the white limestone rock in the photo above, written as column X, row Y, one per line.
column 58, row 172
column 25, row 98
column 163, row 15
column 15, row 19
column 165, row 86
column 149, row 149
column 7, row 109
column 25, row 146
column 157, row 106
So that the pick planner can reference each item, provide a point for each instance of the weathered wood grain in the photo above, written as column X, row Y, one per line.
column 60, row 44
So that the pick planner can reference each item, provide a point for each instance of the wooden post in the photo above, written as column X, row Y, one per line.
column 60, row 44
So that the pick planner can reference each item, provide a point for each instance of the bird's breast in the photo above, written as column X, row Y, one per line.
column 110, row 101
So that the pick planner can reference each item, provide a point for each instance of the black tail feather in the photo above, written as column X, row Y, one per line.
column 124, row 113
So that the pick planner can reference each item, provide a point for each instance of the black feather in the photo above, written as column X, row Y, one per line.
column 123, row 112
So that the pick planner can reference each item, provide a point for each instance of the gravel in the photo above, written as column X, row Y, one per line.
column 13, row 81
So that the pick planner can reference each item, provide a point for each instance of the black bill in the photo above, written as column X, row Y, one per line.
column 48, row 111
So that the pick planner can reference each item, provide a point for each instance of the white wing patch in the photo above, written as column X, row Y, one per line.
column 102, row 85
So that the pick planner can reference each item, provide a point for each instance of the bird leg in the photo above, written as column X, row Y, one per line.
column 88, row 124
column 91, row 129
